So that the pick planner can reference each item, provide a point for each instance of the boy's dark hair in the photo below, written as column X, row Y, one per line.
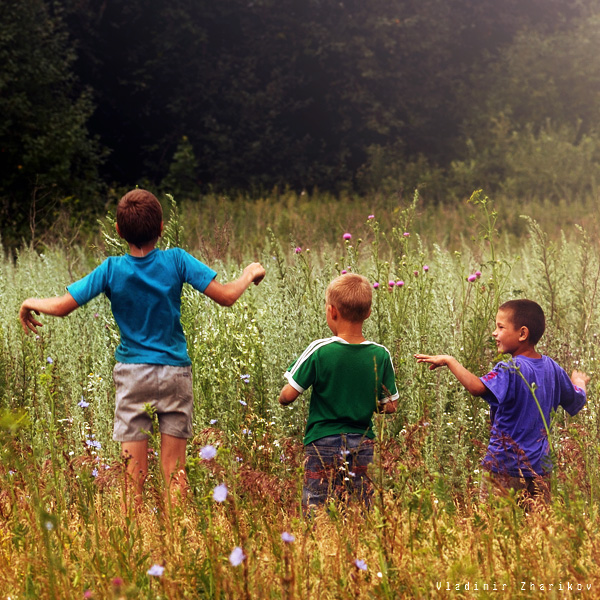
column 351, row 294
column 527, row 313
column 139, row 217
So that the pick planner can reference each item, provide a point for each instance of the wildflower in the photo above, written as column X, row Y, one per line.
column 376, row 285
column 391, row 283
column 297, row 249
column 406, row 234
column 49, row 525
column 243, row 403
column 220, row 493
column 213, row 421
column 156, row 571
column 370, row 217
column 400, row 283
column 117, row 581
column 93, row 443
column 471, row 278
column 360, row 564
column 236, row 557
column 478, row 274
column 208, row 452
column 245, row 378
column 96, row 315
column 416, row 273
column 352, row 473
column 425, row 268
column 344, row 271
column 83, row 403
column 347, row 236
column 287, row 537
column 49, row 360
column 88, row 594
column 95, row 473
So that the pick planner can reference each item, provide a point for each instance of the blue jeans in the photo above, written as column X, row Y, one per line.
column 335, row 466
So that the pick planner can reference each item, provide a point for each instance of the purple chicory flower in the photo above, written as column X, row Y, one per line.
column 236, row 557
column 208, row 452
column 220, row 493
column 49, row 360
column 287, row 537
column 156, row 571
column 83, row 403
column 360, row 564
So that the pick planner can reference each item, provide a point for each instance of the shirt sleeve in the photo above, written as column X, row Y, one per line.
column 195, row 272
column 90, row 286
column 572, row 397
column 389, row 391
column 301, row 373
column 497, row 383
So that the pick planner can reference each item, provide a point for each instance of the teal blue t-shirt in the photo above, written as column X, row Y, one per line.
column 145, row 298
column 348, row 380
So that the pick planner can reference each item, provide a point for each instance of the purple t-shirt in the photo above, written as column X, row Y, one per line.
column 518, row 441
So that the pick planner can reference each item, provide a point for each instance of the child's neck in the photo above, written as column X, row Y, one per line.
column 527, row 351
column 350, row 332
column 141, row 251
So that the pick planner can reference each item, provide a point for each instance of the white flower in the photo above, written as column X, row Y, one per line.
column 208, row 452
column 220, row 493
column 156, row 571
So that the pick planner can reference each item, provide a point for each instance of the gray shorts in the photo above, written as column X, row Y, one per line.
column 167, row 389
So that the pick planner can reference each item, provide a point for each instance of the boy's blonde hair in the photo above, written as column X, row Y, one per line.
column 352, row 295
column 139, row 217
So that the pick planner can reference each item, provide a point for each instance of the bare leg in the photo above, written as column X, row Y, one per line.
column 136, row 453
column 173, row 462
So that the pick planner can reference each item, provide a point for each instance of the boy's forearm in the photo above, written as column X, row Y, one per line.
column 59, row 306
column 468, row 380
column 226, row 294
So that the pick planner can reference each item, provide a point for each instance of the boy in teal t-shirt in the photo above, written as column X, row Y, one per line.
column 153, row 367
column 351, row 378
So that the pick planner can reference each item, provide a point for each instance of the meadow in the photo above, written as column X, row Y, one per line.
column 439, row 274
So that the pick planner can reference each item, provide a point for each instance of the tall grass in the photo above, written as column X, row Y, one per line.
column 63, row 533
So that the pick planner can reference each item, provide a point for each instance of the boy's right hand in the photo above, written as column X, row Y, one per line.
column 28, row 321
column 439, row 360
column 580, row 379
column 256, row 272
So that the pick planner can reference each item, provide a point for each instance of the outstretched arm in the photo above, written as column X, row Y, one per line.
column 471, row 382
column 59, row 306
column 226, row 294
column 288, row 395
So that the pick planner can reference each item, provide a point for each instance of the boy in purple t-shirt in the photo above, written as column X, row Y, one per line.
column 522, row 394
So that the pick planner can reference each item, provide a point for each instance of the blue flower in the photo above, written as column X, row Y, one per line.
column 288, row 537
column 243, row 403
column 236, row 557
column 208, row 452
column 49, row 360
column 220, row 493
column 95, row 473
column 83, row 403
column 156, row 570
column 245, row 378
column 360, row 564
column 213, row 421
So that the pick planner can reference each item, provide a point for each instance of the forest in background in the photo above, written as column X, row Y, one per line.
column 244, row 97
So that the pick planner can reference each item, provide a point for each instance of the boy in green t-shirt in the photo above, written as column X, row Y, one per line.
column 351, row 378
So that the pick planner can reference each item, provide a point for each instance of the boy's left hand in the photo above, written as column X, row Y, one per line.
column 580, row 379
column 28, row 321
column 256, row 271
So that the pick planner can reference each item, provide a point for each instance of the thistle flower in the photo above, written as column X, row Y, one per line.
column 425, row 268
column 471, row 278
column 400, row 283
column 347, row 236
column 478, row 274
column 391, row 283
column 406, row 234
column 376, row 285
column 236, row 557
column 220, row 493
column 297, row 249
column 344, row 271
column 370, row 217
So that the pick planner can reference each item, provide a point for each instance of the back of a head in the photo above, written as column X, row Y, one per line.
column 351, row 294
column 139, row 217
column 527, row 313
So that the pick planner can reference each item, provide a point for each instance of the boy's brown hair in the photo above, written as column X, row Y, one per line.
column 352, row 295
column 139, row 217
column 527, row 313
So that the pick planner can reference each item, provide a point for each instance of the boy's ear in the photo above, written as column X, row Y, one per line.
column 161, row 228
column 118, row 230
column 368, row 314
column 523, row 334
column 333, row 311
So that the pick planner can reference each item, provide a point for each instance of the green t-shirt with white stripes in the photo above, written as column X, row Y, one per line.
column 348, row 381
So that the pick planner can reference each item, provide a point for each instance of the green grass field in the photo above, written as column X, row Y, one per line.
column 63, row 532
